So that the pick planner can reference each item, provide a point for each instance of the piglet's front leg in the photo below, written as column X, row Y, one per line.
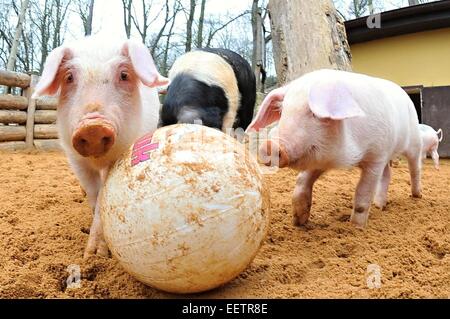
column 302, row 197
column 96, row 244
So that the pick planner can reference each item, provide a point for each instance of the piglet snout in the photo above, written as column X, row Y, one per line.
column 94, row 137
column 273, row 153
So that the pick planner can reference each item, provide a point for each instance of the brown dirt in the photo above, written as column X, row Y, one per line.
column 44, row 223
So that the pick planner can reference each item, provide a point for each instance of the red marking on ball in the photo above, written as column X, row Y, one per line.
column 142, row 148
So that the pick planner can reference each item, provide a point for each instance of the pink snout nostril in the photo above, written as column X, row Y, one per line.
column 273, row 154
column 94, row 138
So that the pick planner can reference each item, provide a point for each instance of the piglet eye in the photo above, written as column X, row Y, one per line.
column 69, row 77
column 124, row 76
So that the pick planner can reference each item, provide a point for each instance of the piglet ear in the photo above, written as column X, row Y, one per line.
column 332, row 99
column 48, row 83
column 269, row 111
column 143, row 64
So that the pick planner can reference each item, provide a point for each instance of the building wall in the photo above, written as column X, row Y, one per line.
column 414, row 59
column 436, row 113
column 418, row 59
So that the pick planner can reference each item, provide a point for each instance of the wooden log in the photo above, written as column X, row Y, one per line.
column 12, row 133
column 30, row 112
column 11, row 116
column 12, row 146
column 44, row 117
column 47, row 103
column 9, row 78
column 45, row 131
column 47, row 145
column 13, row 102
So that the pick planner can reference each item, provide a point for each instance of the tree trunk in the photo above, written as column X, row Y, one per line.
column 43, row 29
column 201, row 22
column 57, row 23
column 17, row 35
column 307, row 35
column 127, row 16
column 88, row 29
column 26, row 58
column 254, row 30
column 258, row 44
column 189, row 26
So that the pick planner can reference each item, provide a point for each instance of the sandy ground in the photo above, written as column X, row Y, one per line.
column 44, row 225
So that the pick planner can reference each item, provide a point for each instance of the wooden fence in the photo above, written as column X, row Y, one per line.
column 26, row 123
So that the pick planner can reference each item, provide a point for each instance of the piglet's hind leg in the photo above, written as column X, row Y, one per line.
column 382, row 191
column 415, row 166
column 435, row 157
column 370, row 176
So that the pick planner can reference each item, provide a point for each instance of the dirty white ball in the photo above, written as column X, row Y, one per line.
column 184, row 210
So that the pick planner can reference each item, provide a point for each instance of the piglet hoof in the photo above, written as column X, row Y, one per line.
column 96, row 246
column 380, row 203
column 417, row 194
column 300, row 219
column 302, row 209
column 359, row 217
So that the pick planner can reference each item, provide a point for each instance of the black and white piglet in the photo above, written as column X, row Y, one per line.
column 214, row 86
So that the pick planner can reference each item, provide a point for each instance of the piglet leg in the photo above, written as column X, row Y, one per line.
column 302, row 196
column 435, row 157
column 368, row 181
column 96, row 244
column 381, row 196
column 415, row 166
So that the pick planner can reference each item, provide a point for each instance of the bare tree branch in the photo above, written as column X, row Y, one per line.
column 212, row 33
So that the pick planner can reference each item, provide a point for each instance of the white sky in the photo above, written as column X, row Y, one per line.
column 108, row 14
column 379, row 5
